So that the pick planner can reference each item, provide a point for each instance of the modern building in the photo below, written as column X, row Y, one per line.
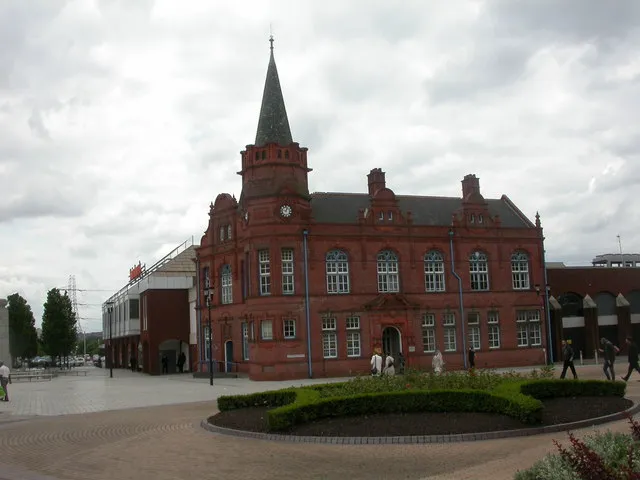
column 5, row 351
column 591, row 302
column 617, row 260
column 154, row 314
column 309, row 284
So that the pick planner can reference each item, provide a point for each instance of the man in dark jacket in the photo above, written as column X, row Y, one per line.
column 633, row 357
column 610, row 351
column 567, row 356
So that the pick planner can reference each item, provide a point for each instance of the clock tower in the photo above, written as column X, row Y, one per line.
column 274, row 169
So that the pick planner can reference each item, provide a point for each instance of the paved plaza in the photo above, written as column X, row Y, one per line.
column 139, row 427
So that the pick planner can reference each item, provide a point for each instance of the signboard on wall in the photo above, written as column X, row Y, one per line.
column 136, row 271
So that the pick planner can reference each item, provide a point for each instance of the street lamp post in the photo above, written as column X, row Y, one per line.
column 208, row 292
column 545, row 294
column 109, row 311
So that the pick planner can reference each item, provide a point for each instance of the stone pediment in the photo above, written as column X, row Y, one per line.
column 390, row 301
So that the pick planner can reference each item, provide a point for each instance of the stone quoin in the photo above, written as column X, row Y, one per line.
column 309, row 284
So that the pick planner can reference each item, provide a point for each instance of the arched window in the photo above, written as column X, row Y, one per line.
column 388, row 275
column 226, row 285
column 479, row 271
column 337, row 264
column 434, row 271
column 520, row 271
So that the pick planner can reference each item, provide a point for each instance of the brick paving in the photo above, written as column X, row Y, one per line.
column 166, row 442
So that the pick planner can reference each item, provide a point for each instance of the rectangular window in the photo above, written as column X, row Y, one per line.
column 449, row 322
column 134, row 308
column 473, row 319
column 289, row 328
column 222, row 232
column 228, row 232
column 266, row 330
column 145, row 317
column 329, row 338
column 287, row 272
column 493, row 321
column 353, row 336
column 429, row 332
column 226, row 286
column 245, row 341
column 265, row 272
column 529, row 329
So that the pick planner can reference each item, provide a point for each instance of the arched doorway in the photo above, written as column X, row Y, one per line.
column 228, row 356
column 391, row 342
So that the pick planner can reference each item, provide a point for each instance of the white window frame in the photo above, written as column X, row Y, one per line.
column 493, row 330
column 354, row 347
column 329, row 337
column 450, row 332
column 266, row 329
column 428, row 333
column 337, row 272
column 264, row 270
column 529, row 328
column 289, row 328
column 520, row 271
column 226, row 285
column 434, row 276
column 479, row 271
column 473, row 320
column 288, row 275
column 388, row 272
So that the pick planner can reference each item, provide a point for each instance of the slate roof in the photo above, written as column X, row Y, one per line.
column 436, row 211
column 273, row 124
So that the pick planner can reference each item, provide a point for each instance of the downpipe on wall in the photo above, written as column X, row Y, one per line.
column 462, row 322
column 305, row 236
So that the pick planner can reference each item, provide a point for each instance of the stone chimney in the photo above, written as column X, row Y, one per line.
column 376, row 181
column 471, row 188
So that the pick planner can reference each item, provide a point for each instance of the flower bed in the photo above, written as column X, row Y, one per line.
column 512, row 395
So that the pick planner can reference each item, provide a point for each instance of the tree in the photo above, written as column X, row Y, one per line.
column 23, row 338
column 59, row 326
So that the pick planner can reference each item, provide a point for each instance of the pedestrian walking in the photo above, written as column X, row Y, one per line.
column 567, row 357
column 165, row 364
column 472, row 358
column 389, row 367
column 5, row 379
column 632, row 353
column 610, row 351
column 376, row 364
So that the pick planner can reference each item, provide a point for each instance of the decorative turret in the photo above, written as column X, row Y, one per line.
column 275, row 166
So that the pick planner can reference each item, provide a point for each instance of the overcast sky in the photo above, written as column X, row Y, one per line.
column 121, row 120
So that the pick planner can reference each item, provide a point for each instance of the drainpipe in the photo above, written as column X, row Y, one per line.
column 198, row 305
column 546, row 305
column 305, row 235
column 453, row 271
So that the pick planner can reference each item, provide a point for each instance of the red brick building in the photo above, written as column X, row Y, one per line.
column 308, row 284
column 154, row 314
column 588, row 303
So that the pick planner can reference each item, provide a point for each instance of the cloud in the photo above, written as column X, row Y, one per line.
column 121, row 121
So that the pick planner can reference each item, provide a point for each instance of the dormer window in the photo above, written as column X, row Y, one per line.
column 264, row 154
column 480, row 218
column 472, row 218
column 381, row 216
column 279, row 153
column 228, row 232
column 222, row 230
column 286, row 154
column 390, row 216
column 257, row 155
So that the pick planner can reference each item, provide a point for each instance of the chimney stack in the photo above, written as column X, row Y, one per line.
column 471, row 188
column 376, row 181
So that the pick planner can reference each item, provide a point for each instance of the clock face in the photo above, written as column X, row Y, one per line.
column 285, row 211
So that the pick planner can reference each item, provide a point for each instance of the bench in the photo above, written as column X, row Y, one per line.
column 31, row 377
column 77, row 373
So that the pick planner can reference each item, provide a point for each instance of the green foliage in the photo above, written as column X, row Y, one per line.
column 512, row 394
column 23, row 338
column 554, row 388
column 59, row 327
column 617, row 453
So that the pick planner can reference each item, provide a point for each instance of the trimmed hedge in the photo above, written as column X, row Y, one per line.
column 305, row 410
column 517, row 399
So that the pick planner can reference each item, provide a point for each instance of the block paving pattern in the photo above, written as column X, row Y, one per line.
column 166, row 442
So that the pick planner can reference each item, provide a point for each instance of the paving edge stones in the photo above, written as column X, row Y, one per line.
column 420, row 439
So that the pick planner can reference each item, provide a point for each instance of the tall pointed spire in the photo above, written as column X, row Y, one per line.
column 273, row 125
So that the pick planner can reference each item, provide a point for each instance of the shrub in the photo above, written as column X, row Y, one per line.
column 554, row 388
column 263, row 399
column 307, row 409
column 602, row 456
